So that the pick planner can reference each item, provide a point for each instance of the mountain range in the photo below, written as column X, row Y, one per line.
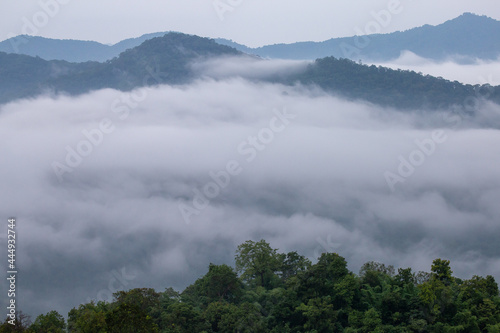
column 168, row 60
column 466, row 37
column 158, row 60
column 70, row 50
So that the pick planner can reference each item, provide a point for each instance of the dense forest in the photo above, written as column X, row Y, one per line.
column 160, row 60
column 268, row 291
column 168, row 60
column 402, row 89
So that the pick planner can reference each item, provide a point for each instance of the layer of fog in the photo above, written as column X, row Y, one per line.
column 317, row 184
column 249, row 67
column 470, row 71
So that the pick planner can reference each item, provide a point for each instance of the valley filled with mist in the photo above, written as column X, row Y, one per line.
column 163, row 159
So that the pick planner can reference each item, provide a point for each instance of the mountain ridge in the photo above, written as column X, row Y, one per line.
column 24, row 76
column 455, row 37
column 384, row 47
column 169, row 60
column 71, row 50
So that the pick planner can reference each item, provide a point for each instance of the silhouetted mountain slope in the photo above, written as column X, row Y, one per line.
column 396, row 88
column 133, row 42
column 467, row 36
column 70, row 50
column 25, row 76
column 166, row 60
column 239, row 47
column 158, row 60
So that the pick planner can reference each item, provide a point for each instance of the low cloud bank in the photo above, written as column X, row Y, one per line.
column 468, row 71
column 248, row 67
column 112, row 196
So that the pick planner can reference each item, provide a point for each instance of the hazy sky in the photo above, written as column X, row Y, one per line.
column 251, row 22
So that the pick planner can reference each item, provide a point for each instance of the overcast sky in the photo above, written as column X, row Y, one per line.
column 250, row 22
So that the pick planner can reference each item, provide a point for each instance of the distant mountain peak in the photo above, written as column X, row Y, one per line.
column 469, row 14
column 468, row 36
column 472, row 17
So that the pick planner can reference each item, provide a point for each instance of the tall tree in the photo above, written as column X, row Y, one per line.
column 21, row 324
column 257, row 261
column 88, row 318
column 292, row 263
column 441, row 270
column 221, row 283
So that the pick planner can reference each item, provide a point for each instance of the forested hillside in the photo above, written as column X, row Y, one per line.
column 388, row 87
column 70, row 50
column 270, row 291
column 168, row 60
column 161, row 60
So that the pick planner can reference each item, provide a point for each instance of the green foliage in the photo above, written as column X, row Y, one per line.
column 405, row 277
column 319, row 314
column 19, row 324
column 376, row 267
column 285, row 293
column 129, row 318
column 441, row 271
column 224, row 317
column 221, row 283
column 88, row 318
column 320, row 278
column 182, row 317
column 51, row 322
column 371, row 320
column 493, row 328
column 146, row 299
column 292, row 263
column 257, row 262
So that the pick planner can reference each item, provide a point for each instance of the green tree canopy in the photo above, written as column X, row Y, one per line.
column 257, row 261
column 51, row 322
